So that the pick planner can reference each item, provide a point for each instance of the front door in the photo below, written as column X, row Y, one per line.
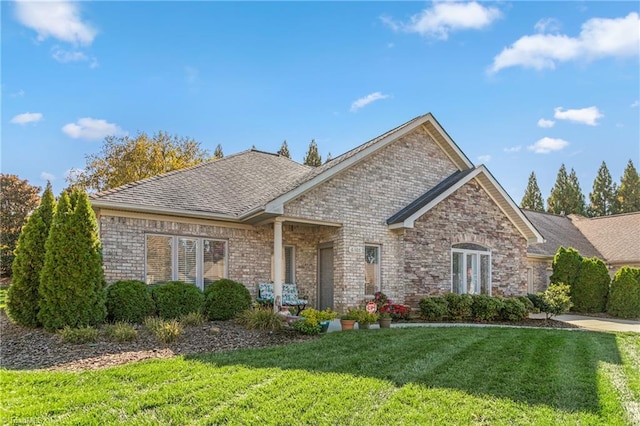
column 325, row 277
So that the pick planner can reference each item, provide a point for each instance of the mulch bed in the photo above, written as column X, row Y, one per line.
column 27, row 349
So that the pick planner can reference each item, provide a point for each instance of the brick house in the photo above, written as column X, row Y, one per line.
column 406, row 213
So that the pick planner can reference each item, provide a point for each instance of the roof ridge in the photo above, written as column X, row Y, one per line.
column 545, row 213
column 614, row 215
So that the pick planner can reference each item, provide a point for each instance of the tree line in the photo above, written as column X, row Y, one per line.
column 605, row 198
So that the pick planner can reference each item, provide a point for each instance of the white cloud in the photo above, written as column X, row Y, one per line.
column 27, row 117
column 513, row 149
column 547, row 25
column 47, row 176
column 547, row 145
column 366, row 100
column 59, row 19
column 446, row 17
column 588, row 116
column 91, row 128
column 598, row 38
column 64, row 56
column 634, row 104
column 484, row 158
column 545, row 123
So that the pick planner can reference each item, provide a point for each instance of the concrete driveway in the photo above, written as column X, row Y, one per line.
column 600, row 324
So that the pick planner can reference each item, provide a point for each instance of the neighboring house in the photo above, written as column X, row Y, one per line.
column 406, row 213
column 615, row 239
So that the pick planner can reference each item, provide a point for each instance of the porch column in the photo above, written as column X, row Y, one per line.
column 277, row 264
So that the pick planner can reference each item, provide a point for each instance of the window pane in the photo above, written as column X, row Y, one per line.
column 215, row 257
column 485, row 274
column 288, row 265
column 458, row 273
column 187, row 255
column 372, row 269
column 158, row 267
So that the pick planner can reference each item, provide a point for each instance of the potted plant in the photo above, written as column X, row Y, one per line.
column 384, row 319
column 364, row 318
column 348, row 320
column 322, row 318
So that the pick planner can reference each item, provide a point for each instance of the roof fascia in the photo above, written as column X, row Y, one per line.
column 101, row 204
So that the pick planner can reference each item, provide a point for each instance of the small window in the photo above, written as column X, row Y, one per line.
column 371, row 269
column 159, row 259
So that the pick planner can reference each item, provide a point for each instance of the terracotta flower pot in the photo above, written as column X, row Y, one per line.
column 347, row 324
column 385, row 322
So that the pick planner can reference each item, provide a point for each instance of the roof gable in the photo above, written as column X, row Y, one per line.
column 617, row 237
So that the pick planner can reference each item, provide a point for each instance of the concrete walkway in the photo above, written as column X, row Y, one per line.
column 589, row 323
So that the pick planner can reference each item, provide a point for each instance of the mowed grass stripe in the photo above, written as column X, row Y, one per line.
column 410, row 376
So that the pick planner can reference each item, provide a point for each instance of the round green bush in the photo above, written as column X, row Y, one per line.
column 129, row 301
column 485, row 308
column 459, row 306
column 434, row 308
column 176, row 298
column 513, row 310
column 225, row 298
column 624, row 296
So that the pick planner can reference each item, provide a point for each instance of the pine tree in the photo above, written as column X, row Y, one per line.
column 532, row 198
column 557, row 201
column 603, row 197
column 284, row 150
column 628, row 197
column 23, row 296
column 329, row 158
column 72, row 280
column 312, row 158
column 576, row 204
column 218, row 154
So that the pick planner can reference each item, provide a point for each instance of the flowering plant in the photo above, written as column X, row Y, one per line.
column 395, row 311
column 380, row 299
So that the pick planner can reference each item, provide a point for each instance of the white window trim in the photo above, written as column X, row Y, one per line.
column 378, row 269
column 464, row 258
column 199, row 256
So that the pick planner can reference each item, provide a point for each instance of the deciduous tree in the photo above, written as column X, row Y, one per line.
column 17, row 199
column 127, row 159
column 628, row 197
column 602, row 199
column 313, row 158
column 532, row 198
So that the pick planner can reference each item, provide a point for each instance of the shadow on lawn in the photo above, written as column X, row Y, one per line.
column 547, row 367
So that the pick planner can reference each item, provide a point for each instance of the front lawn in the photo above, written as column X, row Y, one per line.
column 396, row 376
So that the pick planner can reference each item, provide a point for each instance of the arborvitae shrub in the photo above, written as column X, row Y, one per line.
column 485, row 308
column 23, row 297
column 513, row 310
column 459, row 306
column 566, row 266
column 129, row 301
column 590, row 290
column 225, row 298
column 434, row 308
column 624, row 297
column 176, row 298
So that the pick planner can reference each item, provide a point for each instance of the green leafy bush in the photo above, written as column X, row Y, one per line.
column 315, row 316
column 485, row 308
column 225, row 298
column 129, row 301
column 459, row 306
column 556, row 300
column 624, row 298
column 79, row 335
column 513, row 310
column 566, row 266
column 434, row 308
column 528, row 304
column 362, row 317
column 305, row 327
column 176, row 298
column 121, row 332
column 263, row 319
column 589, row 291
column 193, row 319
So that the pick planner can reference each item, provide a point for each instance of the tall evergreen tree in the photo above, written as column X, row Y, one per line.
column 313, row 158
column 284, row 150
column 532, row 198
column 557, row 201
column 218, row 154
column 72, row 280
column 576, row 197
column 628, row 197
column 23, row 296
column 329, row 158
column 602, row 199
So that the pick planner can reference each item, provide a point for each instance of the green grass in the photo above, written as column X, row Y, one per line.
column 396, row 376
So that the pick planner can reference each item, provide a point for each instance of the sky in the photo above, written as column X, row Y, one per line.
column 519, row 86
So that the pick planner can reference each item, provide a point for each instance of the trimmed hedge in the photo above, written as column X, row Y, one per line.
column 589, row 291
column 129, row 301
column 624, row 297
column 225, row 298
column 176, row 298
column 485, row 308
column 513, row 309
column 459, row 306
column 479, row 307
column 434, row 308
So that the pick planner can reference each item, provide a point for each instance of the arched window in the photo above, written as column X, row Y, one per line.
column 470, row 269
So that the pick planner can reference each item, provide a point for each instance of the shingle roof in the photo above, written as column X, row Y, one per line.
column 558, row 231
column 233, row 185
column 428, row 196
column 617, row 237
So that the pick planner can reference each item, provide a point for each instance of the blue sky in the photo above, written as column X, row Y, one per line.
column 520, row 86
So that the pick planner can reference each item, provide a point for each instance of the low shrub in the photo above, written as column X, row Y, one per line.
column 538, row 302
column 129, row 301
column 555, row 300
column 305, row 327
column 485, row 308
column 193, row 319
column 315, row 316
column 176, row 298
column 459, row 306
column 78, row 335
column 225, row 298
column 513, row 309
column 153, row 323
column 528, row 304
column 167, row 331
column 434, row 308
column 624, row 297
column 121, row 332
column 263, row 319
